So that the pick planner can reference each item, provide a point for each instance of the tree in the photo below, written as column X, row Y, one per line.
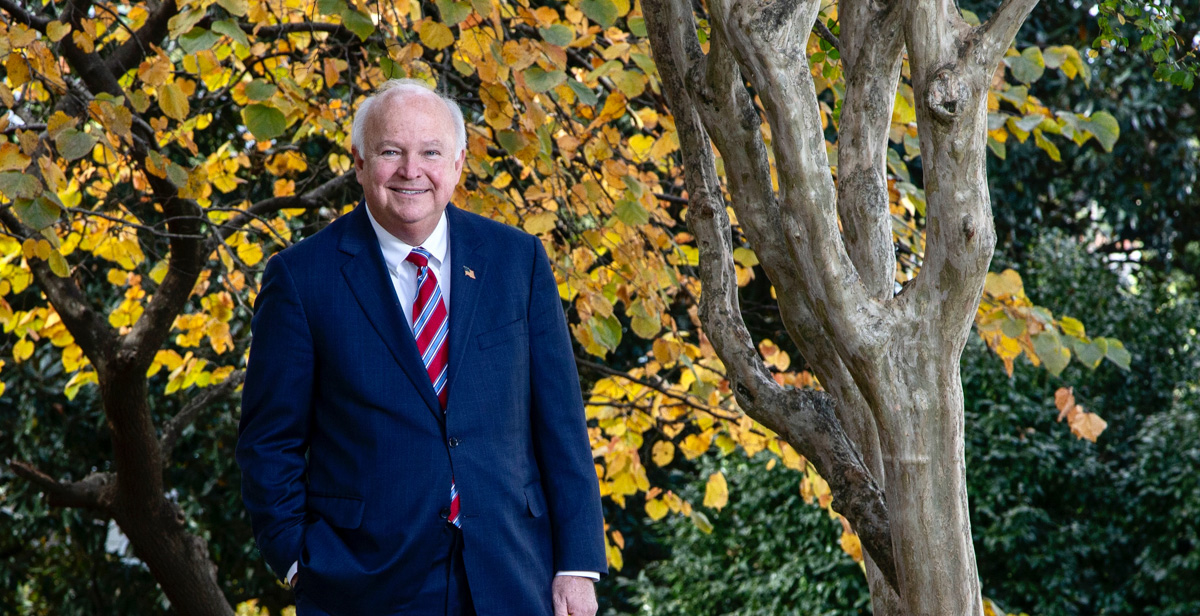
column 155, row 154
column 888, row 434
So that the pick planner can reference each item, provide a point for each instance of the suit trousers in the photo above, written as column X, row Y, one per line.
column 445, row 591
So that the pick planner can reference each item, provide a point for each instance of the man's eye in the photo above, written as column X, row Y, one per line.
column 432, row 152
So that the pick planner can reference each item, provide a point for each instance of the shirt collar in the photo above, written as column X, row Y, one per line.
column 395, row 250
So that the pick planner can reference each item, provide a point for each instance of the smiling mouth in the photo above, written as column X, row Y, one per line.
column 407, row 191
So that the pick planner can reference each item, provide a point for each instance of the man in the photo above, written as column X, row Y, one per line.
column 405, row 455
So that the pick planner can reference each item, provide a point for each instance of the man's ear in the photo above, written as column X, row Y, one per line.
column 358, row 160
column 462, row 158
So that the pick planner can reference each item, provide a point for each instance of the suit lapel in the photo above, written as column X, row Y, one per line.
column 371, row 285
column 465, row 256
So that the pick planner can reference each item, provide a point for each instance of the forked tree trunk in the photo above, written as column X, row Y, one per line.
column 887, row 432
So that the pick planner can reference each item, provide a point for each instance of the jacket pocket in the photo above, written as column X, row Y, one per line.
column 535, row 499
column 501, row 334
column 339, row 511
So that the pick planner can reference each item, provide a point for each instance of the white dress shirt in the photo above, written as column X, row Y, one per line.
column 404, row 280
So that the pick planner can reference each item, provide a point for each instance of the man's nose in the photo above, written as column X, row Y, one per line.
column 409, row 167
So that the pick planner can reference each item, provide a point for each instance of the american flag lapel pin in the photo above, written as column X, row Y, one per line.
column 469, row 272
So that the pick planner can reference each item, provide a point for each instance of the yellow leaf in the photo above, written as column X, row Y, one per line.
column 663, row 452
column 56, row 30
column 250, row 253
column 641, row 145
column 540, row 223
column 656, row 509
column 12, row 159
column 173, row 102
column 1072, row 327
column 22, row 350
column 1007, row 283
column 852, row 545
column 695, row 445
column 18, row 70
column 435, row 35
column 716, row 492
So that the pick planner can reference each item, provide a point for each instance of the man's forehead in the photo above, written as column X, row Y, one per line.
column 424, row 113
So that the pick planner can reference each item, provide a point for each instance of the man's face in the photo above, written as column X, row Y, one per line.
column 409, row 168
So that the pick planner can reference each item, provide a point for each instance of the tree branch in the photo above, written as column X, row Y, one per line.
column 769, row 39
column 871, row 60
column 92, row 492
column 20, row 15
column 131, row 53
column 996, row 34
column 684, row 398
column 804, row 419
column 318, row 197
column 174, row 427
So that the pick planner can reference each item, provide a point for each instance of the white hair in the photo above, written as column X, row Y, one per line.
column 406, row 87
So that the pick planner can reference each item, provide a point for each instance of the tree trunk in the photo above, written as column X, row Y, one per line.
column 888, row 435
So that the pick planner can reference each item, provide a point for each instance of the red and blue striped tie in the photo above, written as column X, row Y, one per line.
column 431, row 328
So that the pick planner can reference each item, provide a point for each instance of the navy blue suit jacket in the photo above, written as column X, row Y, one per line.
column 347, row 457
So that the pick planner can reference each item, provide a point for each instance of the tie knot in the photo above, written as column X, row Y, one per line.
column 419, row 257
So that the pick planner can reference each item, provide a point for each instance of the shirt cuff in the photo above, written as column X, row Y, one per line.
column 591, row 575
column 296, row 567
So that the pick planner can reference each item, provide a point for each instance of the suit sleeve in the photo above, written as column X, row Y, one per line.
column 273, row 435
column 560, row 436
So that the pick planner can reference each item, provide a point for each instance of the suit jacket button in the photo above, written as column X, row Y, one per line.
column 444, row 513
column 453, row 442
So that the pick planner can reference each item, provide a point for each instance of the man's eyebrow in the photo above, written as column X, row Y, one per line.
column 423, row 144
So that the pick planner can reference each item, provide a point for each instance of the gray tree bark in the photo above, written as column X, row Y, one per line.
column 887, row 433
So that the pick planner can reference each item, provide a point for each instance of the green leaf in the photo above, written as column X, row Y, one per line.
column 184, row 21
column 1092, row 353
column 73, row 144
column 263, row 121
column 1013, row 328
column 1027, row 67
column 1050, row 350
column 1030, row 122
column 259, row 90
column 1117, row 353
column 637, row 26
column 331, row 7
column 177, row 174
column 603, row 12
column 17, row 185
column 1104, row 126
column 453, row 12
column 541, row 80
column 37, row 213
column 701, row 522
column 198, row 39
column 511, row 141
column 358, row 23
column 235, row 7
column 229, row 28
column 645, row 327
column 997, row 148
column 607, row 332
column 585, row 94
column 557, row 34
column 58, row 265
column 632, row 213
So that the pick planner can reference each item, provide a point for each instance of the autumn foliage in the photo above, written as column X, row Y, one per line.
column 156, row 154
